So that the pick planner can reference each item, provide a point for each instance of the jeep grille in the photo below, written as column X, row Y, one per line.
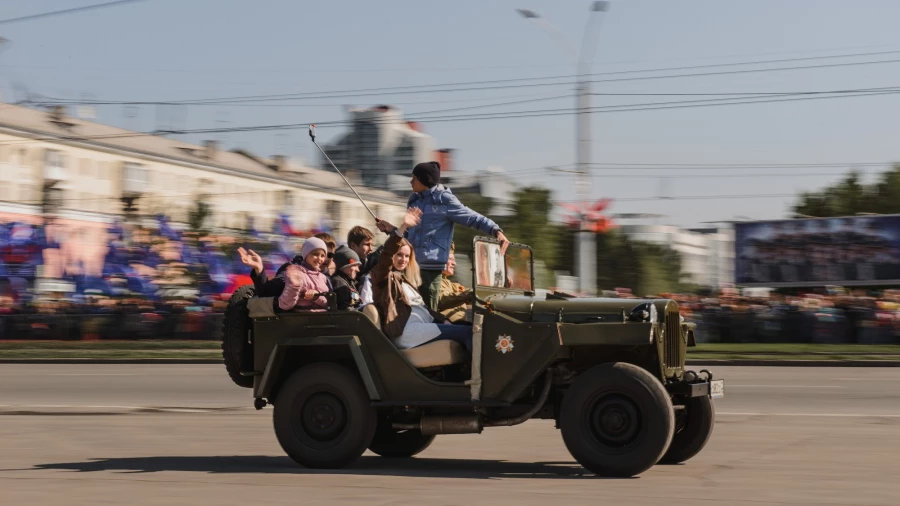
column 672, row 345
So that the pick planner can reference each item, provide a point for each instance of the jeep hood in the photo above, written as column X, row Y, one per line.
column 577, row 310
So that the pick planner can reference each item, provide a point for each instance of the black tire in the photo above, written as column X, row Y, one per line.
column 398, row 444
column 323, row 417
column 694, row 426
column 617, row 420
column 236, row 351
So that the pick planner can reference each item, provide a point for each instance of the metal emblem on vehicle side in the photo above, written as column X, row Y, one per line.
column 504, row 343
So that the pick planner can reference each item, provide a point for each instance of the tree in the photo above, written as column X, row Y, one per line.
column 198, row 215
column 850, row 196
column 645, row 268
column 463, row 236
column 531, row 225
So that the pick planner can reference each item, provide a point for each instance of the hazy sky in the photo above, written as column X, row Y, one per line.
column 190, row 49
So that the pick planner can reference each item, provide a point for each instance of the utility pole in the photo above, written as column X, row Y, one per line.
column 586, row 250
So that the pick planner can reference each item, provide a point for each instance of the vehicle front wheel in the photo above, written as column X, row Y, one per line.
column 617, row 420
column 323, row 417
column 392, row 443
column 693, row 426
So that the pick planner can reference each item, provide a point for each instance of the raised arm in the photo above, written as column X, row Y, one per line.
column 385, row 262
column 458, row 213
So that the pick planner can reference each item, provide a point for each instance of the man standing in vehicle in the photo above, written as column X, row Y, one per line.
column 432, row 237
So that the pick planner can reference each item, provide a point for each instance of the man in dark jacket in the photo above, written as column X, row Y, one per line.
column 346, row 264
column 361, row 240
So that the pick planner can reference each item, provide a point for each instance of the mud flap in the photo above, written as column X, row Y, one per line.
column 475, row 381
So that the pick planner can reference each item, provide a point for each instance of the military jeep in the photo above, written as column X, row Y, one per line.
column 609, row 372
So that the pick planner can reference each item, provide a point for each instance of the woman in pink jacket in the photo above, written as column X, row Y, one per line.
column 303, row 281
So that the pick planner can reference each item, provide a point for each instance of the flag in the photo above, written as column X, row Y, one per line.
column 166, row 230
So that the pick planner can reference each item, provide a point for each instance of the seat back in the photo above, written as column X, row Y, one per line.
column 371, row 312
column 261, row 307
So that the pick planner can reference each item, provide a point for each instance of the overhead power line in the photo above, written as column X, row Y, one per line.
column 504, row 83
column 535, row 113
column 66, row 11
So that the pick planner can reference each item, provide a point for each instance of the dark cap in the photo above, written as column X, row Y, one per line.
column 428, row 173
column 345, row 256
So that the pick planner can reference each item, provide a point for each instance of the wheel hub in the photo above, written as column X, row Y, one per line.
column 615, row 420
column 323, row 416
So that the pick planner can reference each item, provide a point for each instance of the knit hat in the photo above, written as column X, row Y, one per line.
column 428, row 173
column 312, row 244
column 344, row 257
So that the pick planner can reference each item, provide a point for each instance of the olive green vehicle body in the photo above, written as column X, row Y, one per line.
column 559, row 333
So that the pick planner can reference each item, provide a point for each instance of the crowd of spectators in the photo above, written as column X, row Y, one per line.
column 160, row 282
column 153, row 280
column 833, row 316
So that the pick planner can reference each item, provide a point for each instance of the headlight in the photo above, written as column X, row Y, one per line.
column 653, row 314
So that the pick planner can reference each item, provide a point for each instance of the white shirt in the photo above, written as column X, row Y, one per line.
column 365, row 291
column 420, row 328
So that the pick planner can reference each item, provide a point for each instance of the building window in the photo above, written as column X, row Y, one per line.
column 403, row 160
column 333, row 212
column 86, row 168
column 134, row 178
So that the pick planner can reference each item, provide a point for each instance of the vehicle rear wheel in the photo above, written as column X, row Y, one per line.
column 617, row 420
column 392, row 443
column 694, row 425
column 322, row 417
column 236, row 351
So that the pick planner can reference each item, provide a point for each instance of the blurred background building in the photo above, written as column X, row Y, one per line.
column 707, row 254
column 77, row 179
column 493, row 183
column 382, row 147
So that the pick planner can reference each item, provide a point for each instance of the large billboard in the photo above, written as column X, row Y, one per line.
column 849, row 251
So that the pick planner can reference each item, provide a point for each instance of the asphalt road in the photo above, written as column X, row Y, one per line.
column 73, row 435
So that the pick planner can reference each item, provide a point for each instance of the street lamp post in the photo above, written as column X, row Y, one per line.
column 586, row 258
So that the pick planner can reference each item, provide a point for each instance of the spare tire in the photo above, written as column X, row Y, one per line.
column 236, row 350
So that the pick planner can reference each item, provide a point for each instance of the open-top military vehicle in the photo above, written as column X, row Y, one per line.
column 610, row 372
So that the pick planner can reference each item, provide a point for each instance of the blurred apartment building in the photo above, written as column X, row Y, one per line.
column 79, row 177
column 707, row 254
column 381, row 149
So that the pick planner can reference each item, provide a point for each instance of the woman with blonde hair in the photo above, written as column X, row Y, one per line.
column 406, row 318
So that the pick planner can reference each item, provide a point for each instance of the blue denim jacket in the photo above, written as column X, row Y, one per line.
column 440, row 211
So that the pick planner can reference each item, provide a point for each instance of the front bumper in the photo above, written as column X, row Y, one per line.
column 694, row 385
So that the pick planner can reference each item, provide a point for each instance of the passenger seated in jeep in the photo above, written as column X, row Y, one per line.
column 406, row 319
column 302, row 282
column 266, row 287
column 347, row 265
column 455, row 298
